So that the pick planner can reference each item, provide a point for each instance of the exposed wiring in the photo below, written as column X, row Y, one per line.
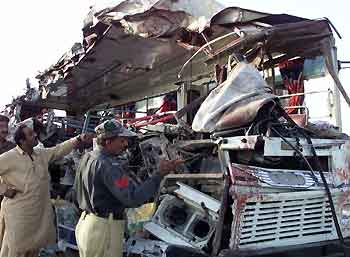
column 299, row 153
column 324, row 181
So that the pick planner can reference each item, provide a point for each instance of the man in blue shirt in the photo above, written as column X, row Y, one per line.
column 104, row 191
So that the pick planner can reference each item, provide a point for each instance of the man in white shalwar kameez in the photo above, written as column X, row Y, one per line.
column 26, row 219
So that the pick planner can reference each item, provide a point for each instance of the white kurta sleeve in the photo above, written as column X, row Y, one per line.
column 5, row 162
column 60, row 150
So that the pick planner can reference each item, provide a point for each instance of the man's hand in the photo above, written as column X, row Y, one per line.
column 168, row 166
column 11, row 192
column 85, row 139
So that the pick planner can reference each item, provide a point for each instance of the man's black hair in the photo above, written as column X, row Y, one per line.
column 19, row 134
column 4, row 118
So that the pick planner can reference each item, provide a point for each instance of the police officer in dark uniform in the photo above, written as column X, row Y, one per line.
column 104, row 191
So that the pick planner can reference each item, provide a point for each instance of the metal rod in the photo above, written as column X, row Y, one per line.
column 218, row 237
column 273, row 75
column 86, row 122
column 307, row 93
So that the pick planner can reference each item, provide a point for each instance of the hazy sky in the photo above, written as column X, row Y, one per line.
column 35, row 34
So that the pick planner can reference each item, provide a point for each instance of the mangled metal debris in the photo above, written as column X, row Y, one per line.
column 188, row 219
column 253, row 178
column 232, row 105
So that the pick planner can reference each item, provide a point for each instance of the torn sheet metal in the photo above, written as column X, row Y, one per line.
column 118, row 30
column 232, row 15
column 307, row 38
column 187, row 219
column 159, row 23
column 337, row 151
column 237, row 15
column 240, row 103
column 311, row 36
column 57, row 71
column 343, row 211
column 196, row 197
column 341, row 165
column 200, row 10
column 301, row 38
column 122, row 77
column 161, row 35
column 155, row 149
column 277, row 178
column 145, row 247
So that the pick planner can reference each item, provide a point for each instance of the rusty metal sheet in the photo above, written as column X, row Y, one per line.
column 243, row 176
column 341, row 165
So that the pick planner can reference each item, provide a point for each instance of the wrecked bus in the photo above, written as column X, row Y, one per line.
column 250, row 101
column 264, row 173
